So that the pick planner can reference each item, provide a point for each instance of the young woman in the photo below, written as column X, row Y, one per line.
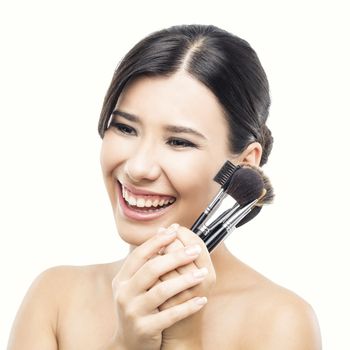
column 181, row 102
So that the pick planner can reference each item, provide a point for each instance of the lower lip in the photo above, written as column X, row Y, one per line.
column 136, row 215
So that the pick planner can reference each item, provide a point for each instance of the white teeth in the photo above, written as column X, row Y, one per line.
column 148, row 203
column 144, row 202
column 132, row 200
column 155, row 202
column 140, row 202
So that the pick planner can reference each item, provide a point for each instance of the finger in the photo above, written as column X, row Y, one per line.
column 187, row 237
column 167, row 318
column 161, row 292
column 173, row 246
column 141, row 254
column 150, row 272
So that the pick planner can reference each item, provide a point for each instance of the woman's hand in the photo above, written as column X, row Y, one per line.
column 137, row 294
column 188, row 330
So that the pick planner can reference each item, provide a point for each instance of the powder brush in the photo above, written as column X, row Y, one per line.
column 245, row 186
column 233, row 218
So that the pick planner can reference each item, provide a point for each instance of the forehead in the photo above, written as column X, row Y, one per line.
column 178, row 99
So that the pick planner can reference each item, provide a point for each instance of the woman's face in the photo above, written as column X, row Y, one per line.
column 166, row 142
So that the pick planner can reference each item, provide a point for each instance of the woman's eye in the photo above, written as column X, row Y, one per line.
column 181, row 143
column 125, row 129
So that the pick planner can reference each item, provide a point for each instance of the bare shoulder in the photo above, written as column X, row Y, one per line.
column 36, row 320
column 64, row 281
column 285, row 320
column 36, row 323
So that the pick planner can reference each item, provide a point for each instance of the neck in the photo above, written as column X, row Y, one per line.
column 227, row 267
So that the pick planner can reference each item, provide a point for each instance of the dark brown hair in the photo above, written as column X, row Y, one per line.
column 223, row 62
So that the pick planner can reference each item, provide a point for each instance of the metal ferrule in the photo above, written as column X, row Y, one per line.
column 216, row 201
column 238, row 215
column 218, row 212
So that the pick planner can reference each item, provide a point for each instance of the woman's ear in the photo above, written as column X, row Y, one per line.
column 251, row 155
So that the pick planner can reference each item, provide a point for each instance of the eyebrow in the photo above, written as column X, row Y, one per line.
column 172, row 128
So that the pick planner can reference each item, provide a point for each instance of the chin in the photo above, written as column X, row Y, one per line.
column 136, row 233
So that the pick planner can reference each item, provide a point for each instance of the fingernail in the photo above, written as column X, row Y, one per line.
column 161, row 229
column 200, row 273
column 193, row 250
column 201, row 300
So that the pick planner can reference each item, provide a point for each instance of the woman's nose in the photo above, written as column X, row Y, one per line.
column 143, row 165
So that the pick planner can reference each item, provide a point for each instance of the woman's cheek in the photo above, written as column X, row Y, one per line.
column 191, row 175
column 113, row 152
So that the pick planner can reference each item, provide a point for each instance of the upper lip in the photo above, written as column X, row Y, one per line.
column 141, row 191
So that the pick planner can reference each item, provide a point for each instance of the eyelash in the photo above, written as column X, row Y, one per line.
column 123, row 127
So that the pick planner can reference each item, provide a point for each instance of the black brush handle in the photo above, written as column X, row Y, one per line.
column 208, row 211
column 217, row 223
column 221, row 234
column 198, row 222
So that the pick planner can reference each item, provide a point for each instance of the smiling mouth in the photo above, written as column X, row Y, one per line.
column 145, row 203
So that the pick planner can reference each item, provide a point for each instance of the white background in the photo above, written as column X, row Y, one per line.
column 57, row 59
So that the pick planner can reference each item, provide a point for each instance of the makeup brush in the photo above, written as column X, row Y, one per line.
column 245, row 186
column 236, row 218
column 270, row 195
column 223, row 179
column 228, row 226
column 267, row 199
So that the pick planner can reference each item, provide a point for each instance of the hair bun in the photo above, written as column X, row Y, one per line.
column 266, row 143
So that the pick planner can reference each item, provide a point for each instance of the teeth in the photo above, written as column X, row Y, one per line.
column 142, row 202
column 132, row 200
column 155, row 202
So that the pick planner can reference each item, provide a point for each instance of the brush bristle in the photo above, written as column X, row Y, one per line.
column 225, row 173
column 269, row 195
column 251, row 215
column 246, row 185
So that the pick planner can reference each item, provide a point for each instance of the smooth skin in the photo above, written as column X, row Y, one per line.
column 148, row 299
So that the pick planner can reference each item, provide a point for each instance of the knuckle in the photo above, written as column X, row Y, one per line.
column 152, row 268
column 120, row 296
column 175, row 258
column 131, row 313
column 173, row 315
column 118, row 284
column 161, row 290
column 141, row 328
column 120, row 300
